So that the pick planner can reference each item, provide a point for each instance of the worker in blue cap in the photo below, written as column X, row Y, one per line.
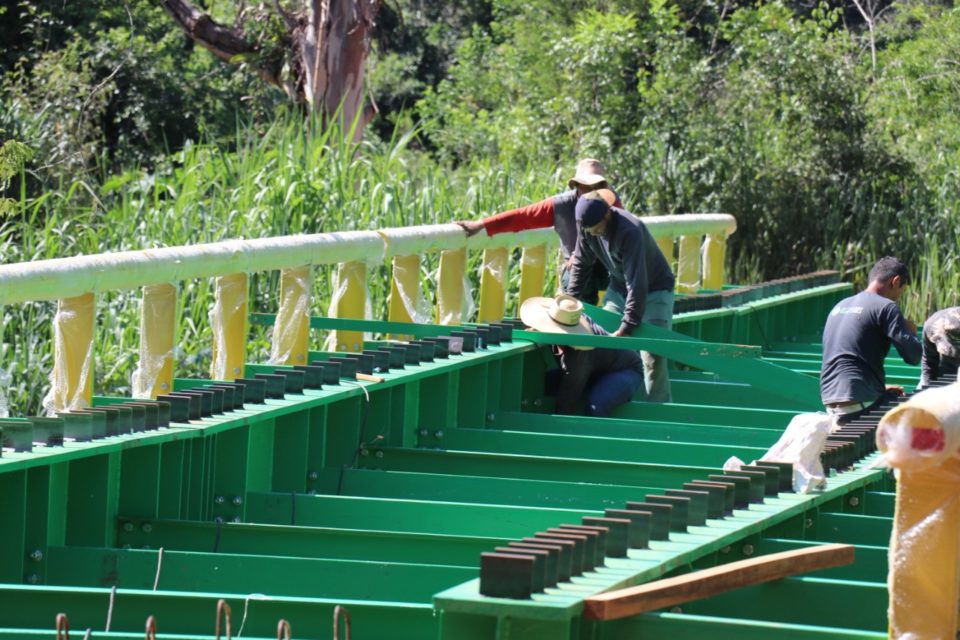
column 641, row 282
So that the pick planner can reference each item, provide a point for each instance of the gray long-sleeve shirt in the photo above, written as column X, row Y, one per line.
column 632, row 257
column 941, row 345
column 856, row 340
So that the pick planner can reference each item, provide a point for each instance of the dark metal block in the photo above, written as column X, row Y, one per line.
column 48, row 431
column 582, row 555
column 276, row 384
column 680, row 517
column 661, row 515
column 16, row 435
column 618, row 533
column 506, row 575
column 539, row 564
column 641, row 526
column 557, row 553
column 179, row 407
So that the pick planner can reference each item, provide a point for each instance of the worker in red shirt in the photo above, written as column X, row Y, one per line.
column 557, row 212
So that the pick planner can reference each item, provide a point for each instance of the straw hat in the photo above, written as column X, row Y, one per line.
column 563, row 314
column 589, row 174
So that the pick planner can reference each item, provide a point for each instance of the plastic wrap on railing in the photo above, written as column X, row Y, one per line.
column 342, row 286
column 5, row 381
column 231, row 297
column 294, row 311
column 68, row 277
column 923, row 432
column 156, row 310
column 70, row 374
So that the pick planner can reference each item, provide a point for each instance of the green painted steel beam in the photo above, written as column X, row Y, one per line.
column 869, row 565
column 596, row 447
column 679, row 626
column 852, row 529
column 636, row 429
column 308, row 542
column 700, row 414
column 194, row 613
column 414, row 516
column 227, row 573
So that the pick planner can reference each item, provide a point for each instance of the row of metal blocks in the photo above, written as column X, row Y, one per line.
column 533, row 564
column 219, row 398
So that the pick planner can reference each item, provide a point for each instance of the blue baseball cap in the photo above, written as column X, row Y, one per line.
column 590, row 211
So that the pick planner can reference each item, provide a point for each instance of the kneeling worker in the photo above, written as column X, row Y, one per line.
column 608, row 377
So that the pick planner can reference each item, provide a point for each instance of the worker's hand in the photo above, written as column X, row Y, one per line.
column 471, row 227
column 911, row 326
column 895, row 388
column 620, row 333
column 569, row 264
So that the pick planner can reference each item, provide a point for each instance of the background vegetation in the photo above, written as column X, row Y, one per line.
column 830, row 133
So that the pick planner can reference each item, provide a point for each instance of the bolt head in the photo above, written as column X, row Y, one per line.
column 147, row 527
column 808, row 523
column 491, row 417
column 313, row 475
column 36, row 555
column 379, row 454
column 164, row 386
column 748, row 549
column 33, row 578
column 438, row 434
column 854, row 501
column 524, row 402
column 237, row 501
column 537, row 402
column 219, row 500
column 364, row 451
column 676, row 610
column 424, row 433
column 236, row 370
column 128, row 526
column 726, row 550
column 236, row 519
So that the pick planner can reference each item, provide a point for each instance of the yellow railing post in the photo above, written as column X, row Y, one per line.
column 229, row 318
column 405, row 290
column 920, row 439
column 158, row 326
column 71, row 381
column 666, row 248
column 533, row 268
column 688, row 267
column 453, row 265
column 714, row 255
column 292, row 327
column 350, row 301
column 493, row 285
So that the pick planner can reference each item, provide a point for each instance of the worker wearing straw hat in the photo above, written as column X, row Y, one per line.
column 557, row 212
column 600, row 379
column 941, row 346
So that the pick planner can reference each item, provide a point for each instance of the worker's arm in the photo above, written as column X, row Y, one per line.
column 902, row 333
column 533, row 216
column 635, row 278
column 581, row 265
column 929, row 364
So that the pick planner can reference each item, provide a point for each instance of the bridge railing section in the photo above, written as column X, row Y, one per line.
column 695, row 242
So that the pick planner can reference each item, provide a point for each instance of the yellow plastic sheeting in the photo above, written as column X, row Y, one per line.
column 158, row 327
column 533, row 270
column 350, row 300
column 714, row 256
column 229, row 321
column 493, row 285
column 71, row 380
column 450, row 287
column 688, row 265
column 666, row 248
column 289, row 345
column 920, row 439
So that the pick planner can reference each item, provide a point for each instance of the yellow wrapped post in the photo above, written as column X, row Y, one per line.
column 493, row 285
column 292, row 327
column 405, row 291
column 714, row 255
column 450, row 291
column 158, row 327
column 920, row 439
column 229, row 320
column 666, row 248
column 688, row 267
column 533, row 269
column 71, row 380
column 350, row 301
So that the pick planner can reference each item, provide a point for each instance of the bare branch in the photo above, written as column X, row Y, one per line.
column 224, row 42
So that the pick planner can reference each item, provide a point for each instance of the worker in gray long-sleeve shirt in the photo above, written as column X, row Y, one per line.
column 857, row 338
column 941, row 346
column 641, row 282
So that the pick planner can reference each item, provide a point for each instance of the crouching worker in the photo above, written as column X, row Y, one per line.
column 604, row 378
column 941, row 346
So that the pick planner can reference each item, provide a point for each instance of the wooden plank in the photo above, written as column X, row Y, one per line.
column 624, row 603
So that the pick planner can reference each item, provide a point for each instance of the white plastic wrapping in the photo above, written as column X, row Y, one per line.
column 235, row 291
column 922, row 433
column 294, row 310
column 60, row 398
column 153, row 313
column 5, row 381
column 801, row 444
column 414, row 302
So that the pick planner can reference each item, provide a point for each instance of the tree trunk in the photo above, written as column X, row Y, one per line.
column 323, row 68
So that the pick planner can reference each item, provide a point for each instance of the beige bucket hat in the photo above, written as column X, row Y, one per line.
column 563, row 314
column 589, row 174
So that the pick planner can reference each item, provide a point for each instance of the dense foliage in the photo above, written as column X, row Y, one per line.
column 117, row 133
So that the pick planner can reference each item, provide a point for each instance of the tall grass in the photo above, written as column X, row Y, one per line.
column 291, row 177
